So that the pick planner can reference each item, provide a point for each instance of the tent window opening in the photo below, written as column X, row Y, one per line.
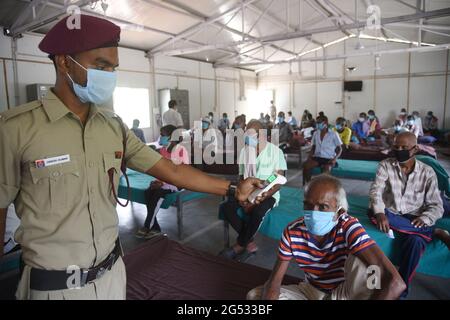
column 132, row 103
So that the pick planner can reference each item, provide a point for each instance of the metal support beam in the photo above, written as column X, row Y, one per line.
column 246, row 36
column 415, row 26
column 409, row 5
column 351, row 26
column 344, row 56
column 207, row 22
column 33, row 25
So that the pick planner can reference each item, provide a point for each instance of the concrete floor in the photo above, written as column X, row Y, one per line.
column 203, row 231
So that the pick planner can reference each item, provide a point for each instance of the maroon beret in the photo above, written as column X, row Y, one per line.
column 93, row 33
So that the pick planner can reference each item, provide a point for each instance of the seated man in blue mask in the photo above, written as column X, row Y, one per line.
column 361, row 128
column 405, row 197
column 259, row 158
column 334, row 250
column 326, row 148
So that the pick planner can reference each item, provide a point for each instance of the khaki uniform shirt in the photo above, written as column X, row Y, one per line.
column 67, row 210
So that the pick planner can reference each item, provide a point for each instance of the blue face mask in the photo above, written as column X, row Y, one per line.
column 205, row 125
column 236, row 126
column 397, row 128
column 371, row 117
column 251, row 141
column 320, row 126
column 338, row 127
column 164, row 141
column 99, row 88
column 410, row 122
column 280, row 119
column 319, row 223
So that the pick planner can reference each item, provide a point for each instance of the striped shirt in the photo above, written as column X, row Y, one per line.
column 416, row 194
column 323, row 264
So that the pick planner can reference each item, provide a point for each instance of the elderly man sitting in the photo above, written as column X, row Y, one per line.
column 405, row 197
column 333, row 250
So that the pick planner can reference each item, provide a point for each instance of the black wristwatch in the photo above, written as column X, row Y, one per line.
column 231, row 193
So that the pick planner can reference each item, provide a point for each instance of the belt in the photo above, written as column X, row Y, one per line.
column 49, row 280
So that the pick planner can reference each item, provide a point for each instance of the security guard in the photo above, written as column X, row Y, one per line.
column 61, row 158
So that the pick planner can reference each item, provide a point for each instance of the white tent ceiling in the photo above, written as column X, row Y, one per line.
column 243, row 32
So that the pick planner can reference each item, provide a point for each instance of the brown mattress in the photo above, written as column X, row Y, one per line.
column 369, row 155
column 162, row 269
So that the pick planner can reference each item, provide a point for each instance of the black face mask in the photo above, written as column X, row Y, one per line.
column 402, row 155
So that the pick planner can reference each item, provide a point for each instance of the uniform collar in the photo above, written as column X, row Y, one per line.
column 56, row 109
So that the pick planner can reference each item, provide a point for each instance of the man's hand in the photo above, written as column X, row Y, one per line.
column 156, row 184
column 418, row 223
column 246, row 187
column 382, row 222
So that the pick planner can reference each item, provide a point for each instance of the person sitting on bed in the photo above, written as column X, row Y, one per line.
column 259, row 158
column 361, row 128
column 157, row 190
column 327, row 147
column 430, row 125
column 402, row 115
column 405, row 197
column 343, row 131
column 333, row 250
column 374, row 125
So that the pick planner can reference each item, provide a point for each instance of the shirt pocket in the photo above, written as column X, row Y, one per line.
column 110, row 162
column 54, row 185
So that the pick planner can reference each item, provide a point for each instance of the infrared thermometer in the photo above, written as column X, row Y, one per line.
column 271, row 181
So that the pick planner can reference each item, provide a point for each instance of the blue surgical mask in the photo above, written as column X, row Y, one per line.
column 397, row 128
column 236, row 126
column 410, row 122
column 251, row 141
column 280, row 119
column 320, row 126
column 338, row 127
column 319, row 223
column 371, row 117
column 205, row 125
column 164, row 141
column 99, row 88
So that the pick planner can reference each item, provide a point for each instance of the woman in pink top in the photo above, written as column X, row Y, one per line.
column 157, row 190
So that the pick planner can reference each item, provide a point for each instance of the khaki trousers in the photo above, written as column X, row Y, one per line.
column 353, row 288
column 112, row 286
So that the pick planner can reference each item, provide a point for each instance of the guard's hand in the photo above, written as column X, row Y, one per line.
column 418, row 223
column 382, row 222
column 156, row 184
column 246, row 187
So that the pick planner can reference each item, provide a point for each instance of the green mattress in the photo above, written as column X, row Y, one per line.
column 139, row 182
column 366, row 170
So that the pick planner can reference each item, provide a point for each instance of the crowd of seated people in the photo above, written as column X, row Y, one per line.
column 404, row 198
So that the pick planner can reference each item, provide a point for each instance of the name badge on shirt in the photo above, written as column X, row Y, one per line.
column 52, row 161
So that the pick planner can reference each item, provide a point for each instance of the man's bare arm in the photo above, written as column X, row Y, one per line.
column 392, row 285
column 2, row 229
column 185, row 176
column 273, row 285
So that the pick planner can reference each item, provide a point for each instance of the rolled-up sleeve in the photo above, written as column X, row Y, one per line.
column 9, row 168
column 138, row 155
column 377, row 189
